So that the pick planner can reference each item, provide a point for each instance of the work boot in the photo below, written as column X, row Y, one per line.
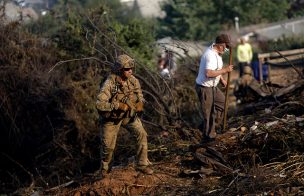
column 145, row 170
column 207, row 140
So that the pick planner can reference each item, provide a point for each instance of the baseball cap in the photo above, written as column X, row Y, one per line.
column 223, row 38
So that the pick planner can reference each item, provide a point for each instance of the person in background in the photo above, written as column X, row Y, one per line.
column 247, row 88
column 255, row 65
column 242, row 85
column 256, row 70
column 167, row 65
column 211, row 97
column 244, row 55
column 118, row 102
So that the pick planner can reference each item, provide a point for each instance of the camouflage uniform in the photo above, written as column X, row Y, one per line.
column 111, row 94
column 248, row 88
column 247, row 77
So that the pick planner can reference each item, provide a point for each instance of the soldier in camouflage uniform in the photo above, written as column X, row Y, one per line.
column 118, row 102
column 247, row 77
column 248, row 89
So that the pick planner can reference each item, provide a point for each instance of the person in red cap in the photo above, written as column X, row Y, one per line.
column 211, row 97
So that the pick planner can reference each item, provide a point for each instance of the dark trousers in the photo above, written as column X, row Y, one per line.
column 241, row 67
column 212, row 102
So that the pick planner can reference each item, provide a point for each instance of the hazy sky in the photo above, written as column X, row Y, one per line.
column 148, row 7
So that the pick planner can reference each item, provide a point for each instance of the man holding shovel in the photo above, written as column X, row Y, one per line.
column 211, row 97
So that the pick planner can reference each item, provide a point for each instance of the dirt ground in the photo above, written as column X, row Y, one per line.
column 169, row 173
column 167, row 179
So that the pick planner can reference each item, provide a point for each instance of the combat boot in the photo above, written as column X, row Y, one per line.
column 145, row 170
column 104, row 173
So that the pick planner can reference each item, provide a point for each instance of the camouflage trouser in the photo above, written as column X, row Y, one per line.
column 212, row 104
column 109, row 132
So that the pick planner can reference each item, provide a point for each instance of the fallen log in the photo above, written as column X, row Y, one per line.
column 212, row 163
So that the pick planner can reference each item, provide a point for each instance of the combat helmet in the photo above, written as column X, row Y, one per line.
column 124, row 61
column 247, row 70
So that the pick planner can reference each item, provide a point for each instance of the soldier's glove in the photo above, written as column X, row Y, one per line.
column 123, row 107
column 139, row 106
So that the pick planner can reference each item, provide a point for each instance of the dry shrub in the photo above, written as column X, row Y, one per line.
column 44, row 129
column 49, row 121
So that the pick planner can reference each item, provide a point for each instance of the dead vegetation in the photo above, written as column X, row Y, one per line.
column 50, row 136
column 48, row 116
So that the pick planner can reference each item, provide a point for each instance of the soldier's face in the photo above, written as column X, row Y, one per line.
column 127, row 72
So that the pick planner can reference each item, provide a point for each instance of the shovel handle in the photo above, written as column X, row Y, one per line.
column 227, row 90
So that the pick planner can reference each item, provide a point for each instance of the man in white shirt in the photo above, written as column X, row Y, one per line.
column 211, row 97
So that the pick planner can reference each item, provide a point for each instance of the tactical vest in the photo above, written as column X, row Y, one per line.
column 122, row 93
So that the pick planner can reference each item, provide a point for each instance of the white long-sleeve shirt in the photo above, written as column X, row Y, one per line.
column 209, row 60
